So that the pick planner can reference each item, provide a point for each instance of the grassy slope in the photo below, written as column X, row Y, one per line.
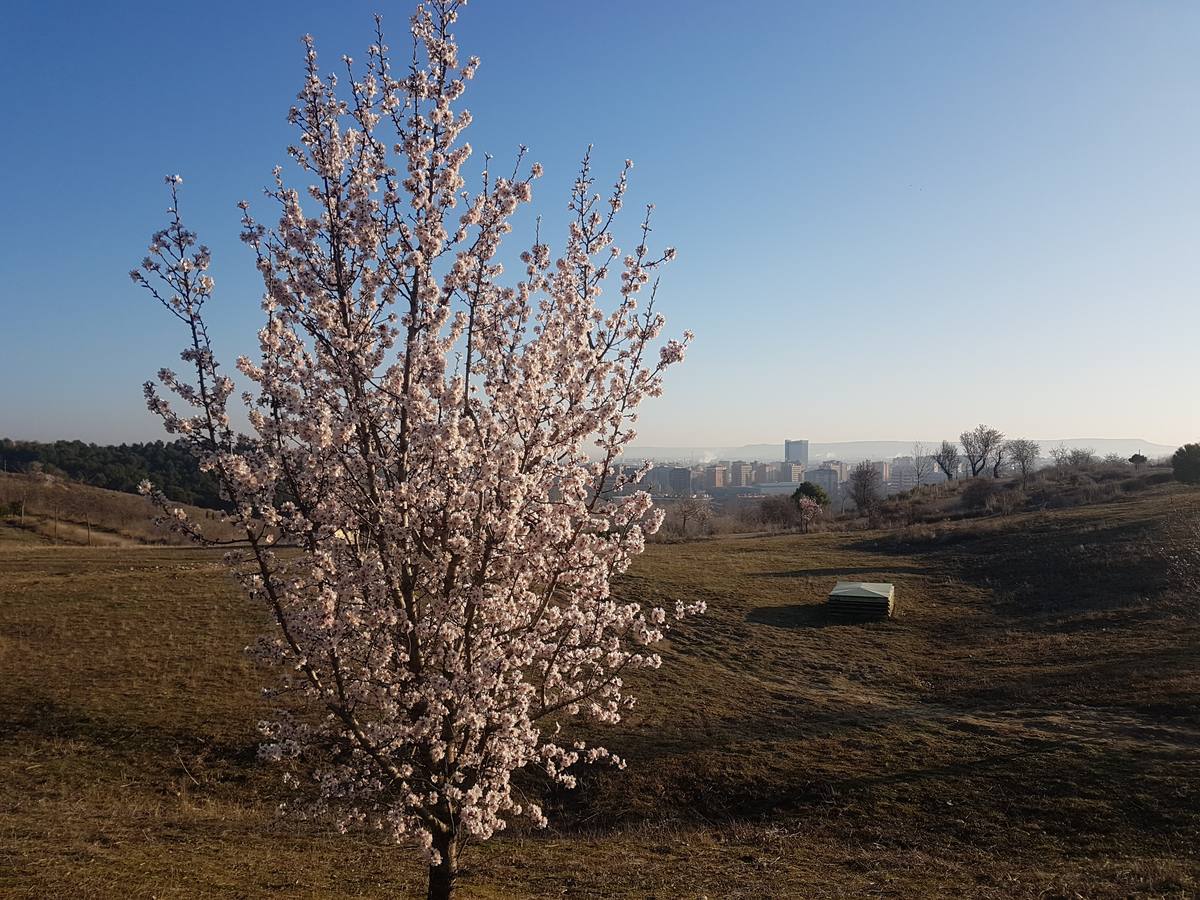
column 1026, row 726
column 117, row 519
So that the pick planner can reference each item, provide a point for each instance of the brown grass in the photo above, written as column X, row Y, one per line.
column 59, row 511
column 1025, row 727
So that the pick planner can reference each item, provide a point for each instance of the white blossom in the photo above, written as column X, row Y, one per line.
column 434, row 446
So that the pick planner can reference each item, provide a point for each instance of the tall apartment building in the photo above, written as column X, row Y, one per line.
column 796, row 452
column 903, row 475
column 825, row 478
column 791, row 471
column 715, row 477
column 679, row 481
column 842, row 469
column 741, row 474
column 659, row 479
column 766, row 473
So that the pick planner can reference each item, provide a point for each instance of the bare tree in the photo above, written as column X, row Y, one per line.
column 998, row 459
column 1059, row 454
column 1023, row 453
column 1082, row 458
column 691, row 509
column 947, row 459
column 78, row 508
column 922, row 462
column 13, row 493
column 864, row 489
column 979, row 445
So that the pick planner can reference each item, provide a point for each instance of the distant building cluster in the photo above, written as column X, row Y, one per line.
column 727, row 478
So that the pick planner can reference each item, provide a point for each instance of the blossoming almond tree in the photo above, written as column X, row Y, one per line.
column 807, row 510
column 430, row 498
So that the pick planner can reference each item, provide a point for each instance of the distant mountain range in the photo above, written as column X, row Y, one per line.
column 853, row 451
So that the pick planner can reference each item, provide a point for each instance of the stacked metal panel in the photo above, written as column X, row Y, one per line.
column 862, row 600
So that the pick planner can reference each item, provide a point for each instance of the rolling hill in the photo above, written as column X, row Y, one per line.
column 1026, row 726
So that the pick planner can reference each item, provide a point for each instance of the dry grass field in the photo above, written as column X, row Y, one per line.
column 1027, row 726
column 59, row 511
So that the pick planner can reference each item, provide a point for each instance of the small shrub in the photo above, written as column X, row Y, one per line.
column 1186, row 464
column 1132, row 485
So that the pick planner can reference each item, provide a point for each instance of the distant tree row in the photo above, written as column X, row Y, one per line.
column 985, row 447
column 170, row 465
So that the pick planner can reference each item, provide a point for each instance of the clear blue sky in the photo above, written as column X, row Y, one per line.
column 894, row 219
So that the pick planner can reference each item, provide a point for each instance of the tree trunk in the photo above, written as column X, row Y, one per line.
column 443, row 875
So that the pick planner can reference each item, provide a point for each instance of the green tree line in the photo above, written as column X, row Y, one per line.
column 169, row 465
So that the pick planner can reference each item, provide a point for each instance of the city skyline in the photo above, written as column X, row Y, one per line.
column 854, row 451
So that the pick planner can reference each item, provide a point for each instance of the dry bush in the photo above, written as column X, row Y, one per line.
column 779, row 512
column 977, row 493
column 1099, row 493
column 1006, row 502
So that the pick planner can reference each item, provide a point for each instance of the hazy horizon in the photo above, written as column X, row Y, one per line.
column 890, row 219
column 818, row 448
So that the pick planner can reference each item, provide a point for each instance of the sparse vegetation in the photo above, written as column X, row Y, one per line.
column 1082, row 458
column 977, row 492
column 56, row 510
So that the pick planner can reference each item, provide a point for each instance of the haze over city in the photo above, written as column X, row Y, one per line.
column 890, row 226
